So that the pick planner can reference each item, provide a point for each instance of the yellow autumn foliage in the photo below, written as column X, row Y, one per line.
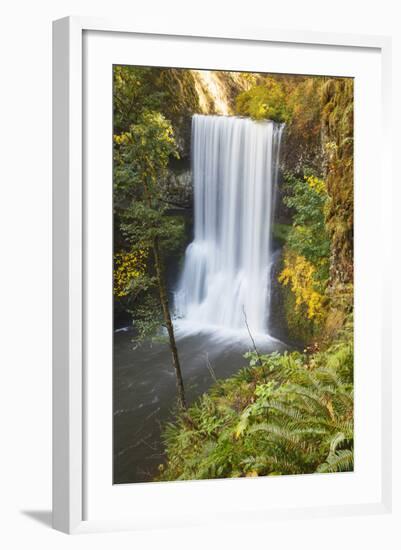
column 299, row 273
column 316, row 184
column 121, row 139
column 128, row 266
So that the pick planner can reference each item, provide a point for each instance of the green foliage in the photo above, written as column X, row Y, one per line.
column 142, row 224
column 145, row 311
column 136, row 89
column 141, row 157
column 266, row 101
column 308, row 236
column 280, row 232
column 141, row 94
column 292, row 414
column 129, row 267
column 318, row 256
column 133, row 92
column 305, row 270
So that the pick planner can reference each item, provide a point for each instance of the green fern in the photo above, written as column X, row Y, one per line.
column 292, row 414
column 339, row 461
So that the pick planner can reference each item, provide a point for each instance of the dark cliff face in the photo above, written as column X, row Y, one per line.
column 202, row 92
column 195, row 91
column 278, row 325
column 338, row 137
column 319, row 138
column 297, row 152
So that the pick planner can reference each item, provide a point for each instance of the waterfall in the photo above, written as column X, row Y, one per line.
column 225, row 282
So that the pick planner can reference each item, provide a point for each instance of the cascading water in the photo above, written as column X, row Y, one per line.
column 225, row 283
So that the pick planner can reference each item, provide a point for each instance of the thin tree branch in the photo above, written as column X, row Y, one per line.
column 210, row 368
column 251, row 337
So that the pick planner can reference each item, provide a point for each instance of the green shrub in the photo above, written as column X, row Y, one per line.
column 266, row 101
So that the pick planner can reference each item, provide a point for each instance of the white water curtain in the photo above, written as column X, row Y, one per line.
column 226, row 275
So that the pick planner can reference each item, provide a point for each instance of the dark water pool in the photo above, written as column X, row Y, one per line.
column 145, row 392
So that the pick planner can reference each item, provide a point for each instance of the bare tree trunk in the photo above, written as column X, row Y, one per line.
column 168, row 322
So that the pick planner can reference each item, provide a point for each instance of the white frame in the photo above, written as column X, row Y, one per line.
column 68, row 250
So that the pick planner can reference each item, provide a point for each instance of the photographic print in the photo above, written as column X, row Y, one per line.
column 232, row 274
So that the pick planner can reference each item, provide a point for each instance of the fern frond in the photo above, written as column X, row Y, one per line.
column 339, row 461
